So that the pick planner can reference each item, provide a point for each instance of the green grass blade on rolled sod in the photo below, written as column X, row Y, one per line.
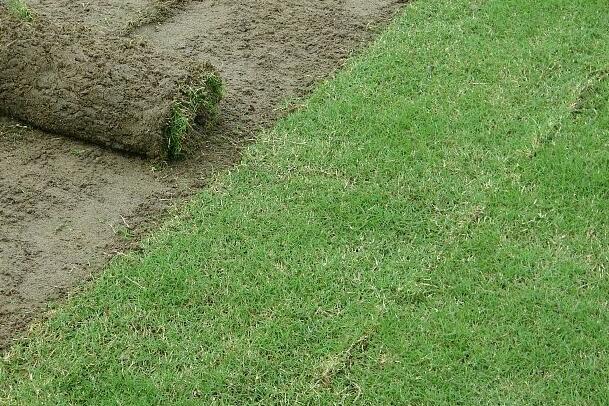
column 20, row 9
column 195, row 102
column 113, row 91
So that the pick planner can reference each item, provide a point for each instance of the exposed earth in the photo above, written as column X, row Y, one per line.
column 67, row 207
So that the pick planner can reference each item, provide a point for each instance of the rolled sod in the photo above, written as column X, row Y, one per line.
column 105, row 89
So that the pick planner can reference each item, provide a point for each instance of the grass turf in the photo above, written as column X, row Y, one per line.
column 432, row 227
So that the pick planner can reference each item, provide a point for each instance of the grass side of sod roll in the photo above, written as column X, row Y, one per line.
column 20, row 9
column 431, row 228
column 199, row 100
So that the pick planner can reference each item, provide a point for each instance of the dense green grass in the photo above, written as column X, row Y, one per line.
column 433, row 227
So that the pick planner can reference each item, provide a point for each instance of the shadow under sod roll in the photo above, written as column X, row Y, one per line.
column 102, row 88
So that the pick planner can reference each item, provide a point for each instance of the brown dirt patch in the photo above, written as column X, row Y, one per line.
column 66, row 207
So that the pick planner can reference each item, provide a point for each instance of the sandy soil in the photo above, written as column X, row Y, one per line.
column 67, row 207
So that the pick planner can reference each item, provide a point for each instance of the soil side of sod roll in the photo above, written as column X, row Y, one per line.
column 113, row 91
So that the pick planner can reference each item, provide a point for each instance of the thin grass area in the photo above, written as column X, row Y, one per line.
column 20, row 9
column 431, row 228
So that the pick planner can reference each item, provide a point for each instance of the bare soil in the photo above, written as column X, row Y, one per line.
column 67, row 207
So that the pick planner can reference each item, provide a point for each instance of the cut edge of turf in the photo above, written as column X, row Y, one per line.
column 586, row 97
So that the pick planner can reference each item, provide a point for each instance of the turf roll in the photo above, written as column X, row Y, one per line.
column 102, row 88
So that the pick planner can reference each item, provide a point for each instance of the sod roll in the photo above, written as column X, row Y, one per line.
column 105, row 89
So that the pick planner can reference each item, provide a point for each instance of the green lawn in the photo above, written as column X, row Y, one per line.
column 431, row 228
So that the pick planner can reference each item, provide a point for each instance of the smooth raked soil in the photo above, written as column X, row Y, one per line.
column 430, row 228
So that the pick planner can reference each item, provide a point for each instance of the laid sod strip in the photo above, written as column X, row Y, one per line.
column 112, row 91
column 432, row 228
